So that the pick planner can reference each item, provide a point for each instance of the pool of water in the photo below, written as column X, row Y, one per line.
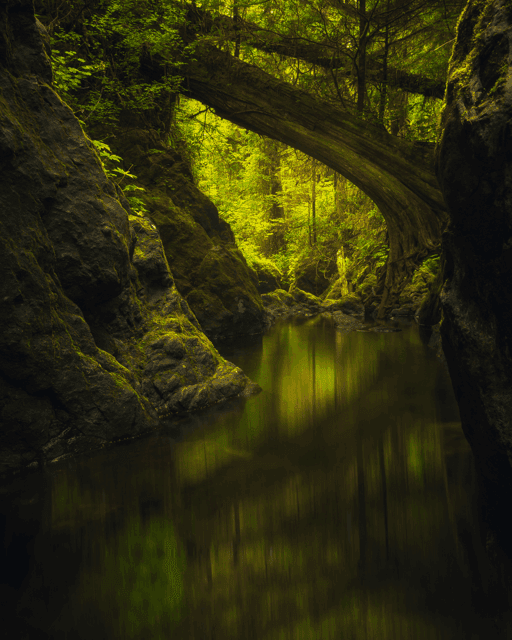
column 338, row 503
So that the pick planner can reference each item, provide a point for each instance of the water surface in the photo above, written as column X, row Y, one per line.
column 338, row 503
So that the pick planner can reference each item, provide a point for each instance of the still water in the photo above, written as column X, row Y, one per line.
column 336, row 504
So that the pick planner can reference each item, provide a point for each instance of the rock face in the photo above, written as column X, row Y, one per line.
column 209, row 270
column 475, row 173
column 96, row 341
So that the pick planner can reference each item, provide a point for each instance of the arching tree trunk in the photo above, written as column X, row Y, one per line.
column 398, row 175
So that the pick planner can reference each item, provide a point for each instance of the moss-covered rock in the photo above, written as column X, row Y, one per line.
column 306, row 298
column 313, row 275
column 208, row 268
column 268, row 275
column 346, row 322
column 278, row 302
column 279, row 295
column 349, row 304
column 96, row 340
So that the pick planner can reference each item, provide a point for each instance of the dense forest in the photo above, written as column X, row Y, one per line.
column 311, row 124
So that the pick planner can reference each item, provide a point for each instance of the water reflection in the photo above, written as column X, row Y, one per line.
column 336, row 504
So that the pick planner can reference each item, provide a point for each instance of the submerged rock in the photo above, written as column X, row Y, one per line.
column 96, row 340
column 346, row 322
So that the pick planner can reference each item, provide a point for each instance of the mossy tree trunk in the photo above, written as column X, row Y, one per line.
column 398, row 175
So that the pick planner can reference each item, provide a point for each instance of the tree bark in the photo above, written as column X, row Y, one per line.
column 398, row 175
column 313, row 201
column 276, row 241
column 361, row 57
column 384, row 85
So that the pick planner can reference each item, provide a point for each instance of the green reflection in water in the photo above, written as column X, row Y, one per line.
column 138, row 587
column 335, row 504
column 130, row 582
column 343, row 523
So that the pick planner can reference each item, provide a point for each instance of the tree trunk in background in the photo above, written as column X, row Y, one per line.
column 384, row 86
column 313, row 201
column 398, row 175
column 361, row 56
column 275, row 242
column 236, row 19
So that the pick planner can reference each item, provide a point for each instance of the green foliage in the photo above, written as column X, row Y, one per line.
column 113, row 57
column 237, row 168
column 98, row 51
column 111, row 164
column 69, row 71
column 423, row 279
column 427, row 271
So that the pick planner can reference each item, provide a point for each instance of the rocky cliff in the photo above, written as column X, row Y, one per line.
column 209, row 270
column 96, row 341
column 475, row 173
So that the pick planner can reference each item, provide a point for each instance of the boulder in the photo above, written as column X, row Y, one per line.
column 350, row 305
column 313, row 276
column 474, row 168
column 278, row 296
column 346, row 322
column 305, row 298
column 281, row 303
column 269, row 277
column 96, row 342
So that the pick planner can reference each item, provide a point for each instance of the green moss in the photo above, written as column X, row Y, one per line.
column 280, row 295
column 303, row 297
column 464, row 61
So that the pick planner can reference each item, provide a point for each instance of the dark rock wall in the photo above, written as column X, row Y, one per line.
column 208, row 268
column 475, row 173
column 95, row 342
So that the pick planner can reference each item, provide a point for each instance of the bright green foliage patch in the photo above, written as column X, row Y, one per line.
column 305, row 220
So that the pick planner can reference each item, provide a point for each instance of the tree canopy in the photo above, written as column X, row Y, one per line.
column 355, row 85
